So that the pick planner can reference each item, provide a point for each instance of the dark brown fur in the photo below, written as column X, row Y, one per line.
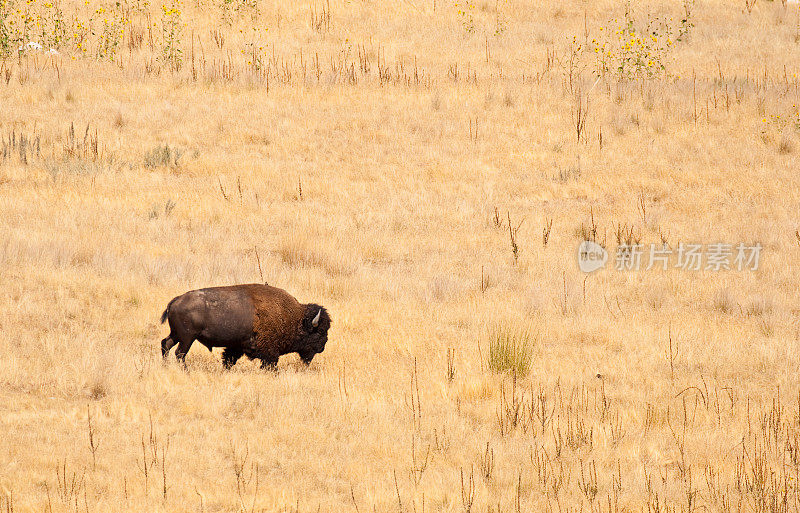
column 257, row 321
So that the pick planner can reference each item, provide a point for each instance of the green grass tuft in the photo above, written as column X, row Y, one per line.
column 510, row 350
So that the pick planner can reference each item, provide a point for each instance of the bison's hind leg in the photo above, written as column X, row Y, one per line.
column 230, row 356
column 183, row 347
column 167, row 344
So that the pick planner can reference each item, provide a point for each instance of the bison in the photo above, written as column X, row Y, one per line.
column 258, row 321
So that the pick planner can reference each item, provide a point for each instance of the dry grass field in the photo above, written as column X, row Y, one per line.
column 426, row 170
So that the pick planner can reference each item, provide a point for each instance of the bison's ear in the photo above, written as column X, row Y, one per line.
column 315, row 322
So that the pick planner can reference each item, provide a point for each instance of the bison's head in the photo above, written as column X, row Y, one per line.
column 316, row 324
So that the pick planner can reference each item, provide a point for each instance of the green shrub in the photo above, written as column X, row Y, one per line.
column 162, row 156
column 510, row 350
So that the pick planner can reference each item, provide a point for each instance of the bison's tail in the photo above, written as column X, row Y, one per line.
column 166, row 311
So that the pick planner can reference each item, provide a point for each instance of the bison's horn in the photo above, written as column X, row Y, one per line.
column 315, row 322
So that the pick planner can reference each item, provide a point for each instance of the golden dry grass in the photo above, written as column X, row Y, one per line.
column 406, row 129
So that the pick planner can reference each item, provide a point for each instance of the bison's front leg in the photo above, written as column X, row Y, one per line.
column 307, row 356
column 269, row 362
